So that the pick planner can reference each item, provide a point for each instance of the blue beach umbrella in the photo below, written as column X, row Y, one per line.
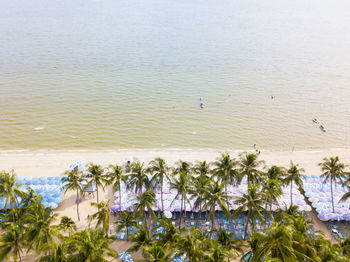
column 124, row 255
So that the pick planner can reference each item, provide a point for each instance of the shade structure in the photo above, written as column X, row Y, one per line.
column 168, row 214
column 124, row 255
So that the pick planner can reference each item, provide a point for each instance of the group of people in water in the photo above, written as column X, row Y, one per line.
column 323, row 129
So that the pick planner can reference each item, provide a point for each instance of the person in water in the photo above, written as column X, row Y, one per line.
column 201, row 105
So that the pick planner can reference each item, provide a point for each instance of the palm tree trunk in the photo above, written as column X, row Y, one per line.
column 182, row 200
column 19, row 255
column 246, row 226
column 127, row 233
column 213, row 220
column 120, row 202
column 78, row 205
column 332, row 194
column 97, row 193
column 265, row 212
column 291, row 190
column 161, row 196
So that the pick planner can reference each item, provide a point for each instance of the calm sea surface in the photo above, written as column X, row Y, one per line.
column 112, row 74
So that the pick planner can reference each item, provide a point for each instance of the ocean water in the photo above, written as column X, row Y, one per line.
column 109, row 74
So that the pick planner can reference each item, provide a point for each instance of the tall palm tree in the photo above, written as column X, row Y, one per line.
column 160, row 172
column 276, row 244
column 249, row 167
column 192, row 245
column 158, row 253
column 202, row 168
column 67, row 224
column 127, row 221
column 102, row 215
column 11, row 242
column 252, row 202
column 182, row 185
column 144, row 202
column 215, row 196
column 141, row 239
column 115, row 177
column 225, row 239
column 57, row 254
column 294, row 175
column 170, row 234
column 183, row 166
column 90, row 245
column 198, row 186
column 276, row 173
column 97, row 177
column 72, row 181
column 138, row 177
column 9, row 188
column 217, row 254
column 225, row 171
column 272, row 191
column 41, row 233
column 333, row 171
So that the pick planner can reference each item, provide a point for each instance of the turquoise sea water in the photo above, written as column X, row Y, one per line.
column 116, row 74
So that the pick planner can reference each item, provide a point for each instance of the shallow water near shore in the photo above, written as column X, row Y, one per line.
column 123, row 74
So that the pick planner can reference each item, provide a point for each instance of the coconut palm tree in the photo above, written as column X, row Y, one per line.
column 249, row 167
column 272, row 191
column 276, row 243
column 225, row 170
column 41, row 233
column 160, row 172
column 202, row 168
column 183, row 166
column 144, row 202
column 11, row 243
column 56, row 254
column 141, row 239
column 294, row 176
column 72, row 181
column 227, row 241
column 252, row 202
column 101, row 216
column 217, row 254
column 96, row 176
column 192, row 245
column 9, row 188
column 138, row 177
column 276, row 173
column 333, row 171
column 127, row 221
column 67, row 224
column 170, row 233
column 214, row 196
column 90, row 245
column 115, row 177
column 182, row 185
column 158, row 253
column 198, row 186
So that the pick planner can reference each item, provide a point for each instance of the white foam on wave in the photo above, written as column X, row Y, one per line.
column 39, row 128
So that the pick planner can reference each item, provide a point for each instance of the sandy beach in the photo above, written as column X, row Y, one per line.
column 55, row 163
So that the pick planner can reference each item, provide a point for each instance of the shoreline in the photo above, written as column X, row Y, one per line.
column 56, row 162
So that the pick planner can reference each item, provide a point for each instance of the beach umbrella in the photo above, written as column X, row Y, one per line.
column 115, row 208
column 129, row 158
column 168, row 214
column 124, row 255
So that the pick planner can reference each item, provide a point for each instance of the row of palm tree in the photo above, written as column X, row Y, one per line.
column 29, row 226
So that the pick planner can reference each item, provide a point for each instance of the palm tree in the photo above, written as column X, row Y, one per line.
column 217, row 254
column 276, row 173
column 158, row 253
column 294, row 176
column 225, row 239
column 11, row 242
column 96, row 177
column 73, row 182
column 252, row 202
column 67, row 224
column 198, row 186
column 57, row 254
column 225, row 171
column 182, row 185
column 275, row 244
column 141, row 239
column 214, row 196
column 41, row 233
column 160, row 172
column 138, row 177
column 170, row 233
column 90, row 245
column 102, row 215
column 202, row 168
column 145, row 201
column 182, row 166
column 248, row 166
column 127, row 221
column 192, row 245
column 9, row 188
column 332, row 170
column 115, row 176
column 272, row 191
